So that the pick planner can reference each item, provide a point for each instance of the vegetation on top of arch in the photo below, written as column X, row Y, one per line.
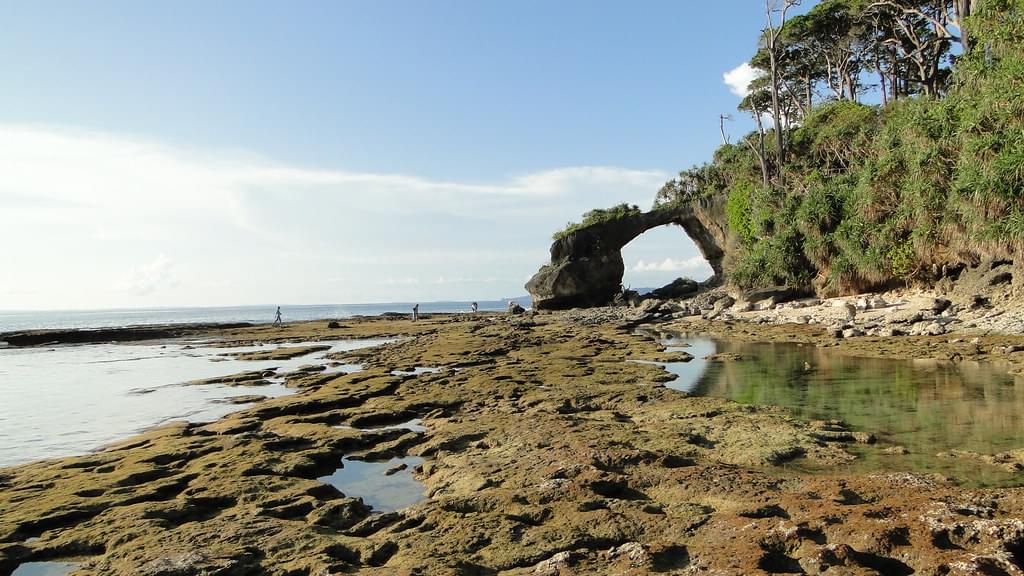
column 599, row 216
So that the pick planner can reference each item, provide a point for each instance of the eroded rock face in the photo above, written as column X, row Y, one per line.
column 586, row 265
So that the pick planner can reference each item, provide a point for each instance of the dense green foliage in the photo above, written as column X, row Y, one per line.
column 870, row 195
column 599, row 216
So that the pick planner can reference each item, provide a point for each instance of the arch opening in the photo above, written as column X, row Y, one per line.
column 661, row 255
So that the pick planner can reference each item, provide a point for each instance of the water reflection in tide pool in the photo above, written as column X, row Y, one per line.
column 384, row 486
column 68, row 400
column 688, row 373
column 414, row 425
column 418, row 370
column 45, row 569
column 927, row 407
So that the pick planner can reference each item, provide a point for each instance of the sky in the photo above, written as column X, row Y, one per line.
column 196, row 153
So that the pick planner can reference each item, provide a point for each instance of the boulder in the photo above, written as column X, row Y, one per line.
column 650, row 306
column 719, row 306
column 677, row 288
column 778, row 294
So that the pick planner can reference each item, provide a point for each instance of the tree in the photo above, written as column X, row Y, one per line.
column 757, row 102
column 772, row 44
column 836, row 33
column 919, row 36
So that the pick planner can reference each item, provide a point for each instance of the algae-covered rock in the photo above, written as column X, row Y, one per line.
column 547, row 450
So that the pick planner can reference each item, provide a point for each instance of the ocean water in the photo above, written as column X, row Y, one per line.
column 34, row 320
column 66, row 400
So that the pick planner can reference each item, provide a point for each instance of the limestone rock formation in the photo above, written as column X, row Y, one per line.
column 586, row 265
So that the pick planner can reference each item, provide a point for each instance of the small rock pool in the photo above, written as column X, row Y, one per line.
column 45, row 569
column 385, row 486
column 926, row 407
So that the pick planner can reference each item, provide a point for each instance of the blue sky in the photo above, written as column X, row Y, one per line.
column 209, row 153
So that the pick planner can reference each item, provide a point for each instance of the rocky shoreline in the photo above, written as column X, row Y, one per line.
column 546, row 450
column 118, row 334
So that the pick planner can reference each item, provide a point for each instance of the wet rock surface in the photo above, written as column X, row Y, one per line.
column 545, row 452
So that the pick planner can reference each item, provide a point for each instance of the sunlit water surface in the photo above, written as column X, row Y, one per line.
column 68, row 400
column 45, row 569
column 380, row 490
column 928, row 407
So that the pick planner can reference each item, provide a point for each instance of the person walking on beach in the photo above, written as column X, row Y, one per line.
column 474, row 307
column 277, row 317
column 415, row 312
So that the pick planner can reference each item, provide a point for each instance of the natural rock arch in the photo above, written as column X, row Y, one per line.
column 586, row 265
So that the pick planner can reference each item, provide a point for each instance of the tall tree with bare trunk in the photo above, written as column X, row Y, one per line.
column 772, row 33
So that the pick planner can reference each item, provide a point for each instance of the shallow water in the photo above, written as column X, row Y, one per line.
column 687, row 373
column 926, row 406
column 417, row 371
column 382, row 492
column 414, row 425
column 68, row 400
column 45, row 569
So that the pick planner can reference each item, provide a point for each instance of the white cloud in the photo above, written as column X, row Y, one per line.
column 240, row 228
column 693, row 264
column 462, row 280
column 739, row 78
column 148, row 278
column 46, row 167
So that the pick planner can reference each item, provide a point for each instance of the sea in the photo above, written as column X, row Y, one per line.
column 62, row 400
column 11, row 321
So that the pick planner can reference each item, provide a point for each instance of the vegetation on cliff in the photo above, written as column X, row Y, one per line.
column 848, row 196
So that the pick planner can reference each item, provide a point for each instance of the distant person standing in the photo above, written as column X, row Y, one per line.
column 277, row 317
column 474, row 307
column 415, row 312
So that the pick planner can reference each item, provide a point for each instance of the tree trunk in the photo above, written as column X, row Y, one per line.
column 962, row 10
column 881, row 77
column 894, row 63
column 759, row 151
column 881, row 83
column 771, row 35
column 776, row 111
